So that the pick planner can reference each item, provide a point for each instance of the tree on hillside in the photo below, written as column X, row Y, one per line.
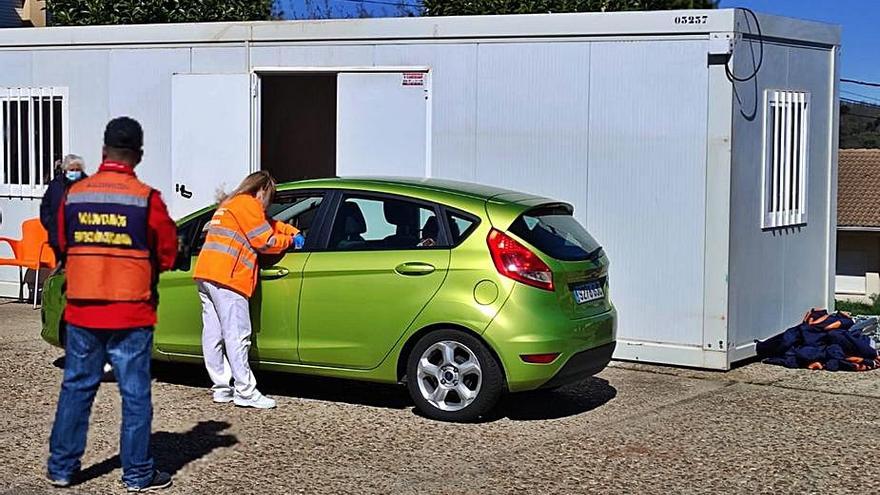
column 487, row 7
column 859, row 125
column 95, row 12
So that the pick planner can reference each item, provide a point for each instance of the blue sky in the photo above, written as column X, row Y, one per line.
column 860, row 19
column 860, row 55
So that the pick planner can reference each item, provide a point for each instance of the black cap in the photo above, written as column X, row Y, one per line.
column 125, row 133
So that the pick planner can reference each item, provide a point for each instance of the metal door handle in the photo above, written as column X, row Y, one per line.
column 274, row 272
column 414, row 268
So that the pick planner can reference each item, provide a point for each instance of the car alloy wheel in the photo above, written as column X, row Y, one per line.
column 452, row 375
column 449, row 375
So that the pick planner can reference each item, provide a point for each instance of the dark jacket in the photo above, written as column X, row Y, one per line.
column 823, row 341
column 50, row 204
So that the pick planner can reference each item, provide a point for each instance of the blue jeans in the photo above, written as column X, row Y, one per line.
column 128, row 351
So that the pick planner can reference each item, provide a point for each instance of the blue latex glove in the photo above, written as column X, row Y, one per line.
column 299, row 241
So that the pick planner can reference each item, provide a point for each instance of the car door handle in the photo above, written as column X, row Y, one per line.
column 274, row 272
column 414, row 268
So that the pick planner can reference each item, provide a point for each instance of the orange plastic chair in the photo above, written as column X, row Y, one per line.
column 32, row 251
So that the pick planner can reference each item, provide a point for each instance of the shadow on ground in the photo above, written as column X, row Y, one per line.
column 560, row 403
column 173, row 451
column 527, row 406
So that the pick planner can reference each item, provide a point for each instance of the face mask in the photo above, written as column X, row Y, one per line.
column 73, row 175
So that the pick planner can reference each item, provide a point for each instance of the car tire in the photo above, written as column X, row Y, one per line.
column 463, row 390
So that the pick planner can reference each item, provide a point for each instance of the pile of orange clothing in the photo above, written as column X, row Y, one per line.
column 237, row 233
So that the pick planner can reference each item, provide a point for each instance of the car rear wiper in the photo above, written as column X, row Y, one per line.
column 595, row 254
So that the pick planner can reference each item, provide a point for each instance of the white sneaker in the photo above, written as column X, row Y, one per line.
column 223, row 396
column 257, row 400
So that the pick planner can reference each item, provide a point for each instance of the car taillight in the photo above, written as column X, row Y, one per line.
column 515, row 261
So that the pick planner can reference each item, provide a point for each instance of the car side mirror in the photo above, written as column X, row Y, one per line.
column 184, row 255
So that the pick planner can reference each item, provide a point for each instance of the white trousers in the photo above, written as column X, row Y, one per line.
column 226, row 339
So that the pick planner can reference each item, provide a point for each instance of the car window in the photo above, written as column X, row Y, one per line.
column 298, row 211
column 364, row 223
column 459, row 226
column 556, row 233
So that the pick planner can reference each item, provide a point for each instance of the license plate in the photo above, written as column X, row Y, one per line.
column 585, row 293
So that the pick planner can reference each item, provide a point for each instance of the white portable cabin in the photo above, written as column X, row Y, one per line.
column 715, row 199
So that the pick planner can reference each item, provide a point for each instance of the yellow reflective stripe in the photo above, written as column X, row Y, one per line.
column 108, row 198
column 228, row 250
column 262, row 229
column 221, row 231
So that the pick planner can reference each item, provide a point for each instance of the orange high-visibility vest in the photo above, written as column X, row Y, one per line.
column 108, row 255
column 239, row 231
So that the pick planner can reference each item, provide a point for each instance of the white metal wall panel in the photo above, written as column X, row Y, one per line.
column 646, row 199
column 805, row 283
column 756, row 257
column 533, row 118
column 140, row 87
column 84, row 73
column 16, row 72
column 15, row 68
column 381, row 125
column 453, row 102
column 778, row 274
column 210, row 144
column 327, row 55
column 265, row 56
column 219, row 60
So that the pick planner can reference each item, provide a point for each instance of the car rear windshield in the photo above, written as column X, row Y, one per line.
column 556, row 233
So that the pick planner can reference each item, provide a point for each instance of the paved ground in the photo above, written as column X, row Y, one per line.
column 632, row 429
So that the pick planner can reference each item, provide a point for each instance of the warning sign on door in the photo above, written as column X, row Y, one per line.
column 413, row 78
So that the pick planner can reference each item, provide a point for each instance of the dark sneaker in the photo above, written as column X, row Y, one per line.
column 160, row 481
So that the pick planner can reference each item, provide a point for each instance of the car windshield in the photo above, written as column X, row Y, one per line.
column 555, row 232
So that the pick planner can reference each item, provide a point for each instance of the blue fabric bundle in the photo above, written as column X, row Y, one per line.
column 822, row 341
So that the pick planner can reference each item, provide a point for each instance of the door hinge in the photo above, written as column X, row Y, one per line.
column 254, row 85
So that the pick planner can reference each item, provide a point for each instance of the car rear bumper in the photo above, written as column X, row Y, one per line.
column 582, row 365
column 519, row 329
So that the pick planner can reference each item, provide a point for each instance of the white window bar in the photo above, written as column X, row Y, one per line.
column 802, row 185
column 27, row 162
column 4, row 133
column 52, row 125
column 40, row 166
column 18, row 135
column 785, row 158
column 32, row 169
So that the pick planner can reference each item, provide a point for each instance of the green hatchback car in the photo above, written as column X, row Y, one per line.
column 462, row 292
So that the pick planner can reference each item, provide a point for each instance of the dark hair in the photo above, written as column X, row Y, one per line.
column 123, row 155
column 124, row 132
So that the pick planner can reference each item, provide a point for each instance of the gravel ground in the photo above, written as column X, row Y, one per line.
column 632, row 429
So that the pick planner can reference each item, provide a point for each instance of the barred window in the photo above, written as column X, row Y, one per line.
column 34, row 130
column 786, row 132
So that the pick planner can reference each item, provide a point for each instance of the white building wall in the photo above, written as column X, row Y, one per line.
column 615, row 126
column 777, row 275
column 140, row 87
column 647, row 182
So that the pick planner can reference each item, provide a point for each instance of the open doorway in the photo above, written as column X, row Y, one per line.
column 298, row 125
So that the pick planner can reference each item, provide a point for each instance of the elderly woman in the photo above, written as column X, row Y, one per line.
column 68, row 171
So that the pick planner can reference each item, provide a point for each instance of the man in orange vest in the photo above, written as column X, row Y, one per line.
column 116, row 235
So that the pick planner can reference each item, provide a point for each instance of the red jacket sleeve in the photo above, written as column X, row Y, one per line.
column 162, row 233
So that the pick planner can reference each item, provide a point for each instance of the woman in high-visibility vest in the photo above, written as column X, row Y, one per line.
column 226, row 275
